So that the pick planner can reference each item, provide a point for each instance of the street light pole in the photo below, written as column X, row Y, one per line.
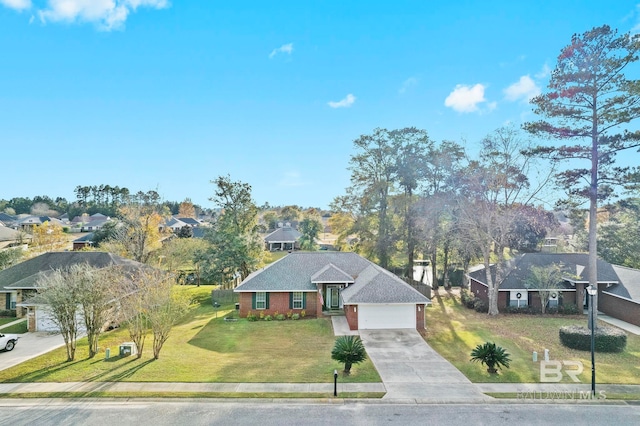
column 592, row 325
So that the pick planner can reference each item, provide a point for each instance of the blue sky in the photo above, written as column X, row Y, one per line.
column 167, row 95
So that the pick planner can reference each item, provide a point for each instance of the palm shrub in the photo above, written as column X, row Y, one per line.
column 349, row 350
column 491, row 355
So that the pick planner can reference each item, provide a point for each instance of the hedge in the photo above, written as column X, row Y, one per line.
column 607, row 339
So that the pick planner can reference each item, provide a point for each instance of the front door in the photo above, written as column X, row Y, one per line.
column 334, row 298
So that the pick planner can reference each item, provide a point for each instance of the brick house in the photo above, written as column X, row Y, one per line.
column 329, row 283
column 618, row 287
column 19, row 283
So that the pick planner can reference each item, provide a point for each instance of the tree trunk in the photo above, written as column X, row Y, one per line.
column 593, row 215
column 445, row 266
column 347, row 368
column 434, row 270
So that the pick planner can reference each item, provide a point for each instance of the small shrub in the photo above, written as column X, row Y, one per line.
column 348, row 350
column 480, row 306
column 280, row 317
column 261, row 315
column 494, row 357
column 467, row 297
column 295, row 316
column 252, row 317
column 303, row 313
column 607, row 339
column 289, row 314
column 268, row 318
column 569, row 309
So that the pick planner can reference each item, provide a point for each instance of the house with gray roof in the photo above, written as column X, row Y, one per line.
column 30, row 222
column 283, row 238
column 329, row 283
column 19, row 283
column 618, row 287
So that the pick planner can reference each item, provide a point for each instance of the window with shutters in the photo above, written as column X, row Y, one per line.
column 261, row 300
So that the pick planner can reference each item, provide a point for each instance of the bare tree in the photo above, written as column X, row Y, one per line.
column 149, row 304
column 95, row 294
column 492, row 189
column 58, row 291
column 546, row 280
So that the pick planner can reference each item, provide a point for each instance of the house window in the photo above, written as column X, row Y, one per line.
column 297, row 300
column 261, row 300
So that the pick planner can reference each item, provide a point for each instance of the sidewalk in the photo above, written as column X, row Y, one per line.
column 9, row 324
column 531, row 391
column 159, row 387
column 630, row 328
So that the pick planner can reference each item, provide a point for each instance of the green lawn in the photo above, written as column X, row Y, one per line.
column 19, row 328
column 453, row 331
column 6, row 320
column 203, row 348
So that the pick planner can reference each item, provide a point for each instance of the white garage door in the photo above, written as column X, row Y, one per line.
column 386, row 316
column 44, row 321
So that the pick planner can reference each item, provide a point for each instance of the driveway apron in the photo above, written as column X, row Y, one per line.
column 411, row 369
column 30, row 345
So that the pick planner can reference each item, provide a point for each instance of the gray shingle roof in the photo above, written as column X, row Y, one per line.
column 629, row 280
column 371, row 283
column 8, row 234
column 377, row 285
column 331, row 274
column 575, row 264
column 25, row 275
column 283, row 235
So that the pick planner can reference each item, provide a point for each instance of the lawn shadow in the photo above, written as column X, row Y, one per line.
column 43, row 373
column 207, row 338
column 128, row 372
column 440, row 300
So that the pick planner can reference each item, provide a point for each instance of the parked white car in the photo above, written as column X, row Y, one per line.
column 8, row 341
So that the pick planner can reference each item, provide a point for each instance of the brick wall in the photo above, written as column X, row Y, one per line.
column 278, row 302
column 420, row 317
column 479, row 290
column 352, row 316
column 618, row 307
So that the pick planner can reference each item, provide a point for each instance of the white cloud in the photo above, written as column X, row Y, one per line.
column 285, row 48
column 106, row 14
column 466, row 98
column 291, row 179
column 524, row 89
column 16, row 4
column 408, row 84
column 344, row 103
column 544, row 72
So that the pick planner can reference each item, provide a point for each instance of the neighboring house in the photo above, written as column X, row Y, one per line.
column 83, row 242
column 618, row 287
column 8, row 220
column 94, row 224
column 177, row 223
column 8, row 236
column 283, row 238
column 329, row 283
column 18, row 284
column 31, row 221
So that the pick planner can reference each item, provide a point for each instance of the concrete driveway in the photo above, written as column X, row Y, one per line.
column 411, row 369
column 30, row 345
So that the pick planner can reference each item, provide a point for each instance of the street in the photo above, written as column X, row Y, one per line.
column 256, row 412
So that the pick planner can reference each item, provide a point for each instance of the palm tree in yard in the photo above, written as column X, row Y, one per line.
column 492, row 356
column 349, row 350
